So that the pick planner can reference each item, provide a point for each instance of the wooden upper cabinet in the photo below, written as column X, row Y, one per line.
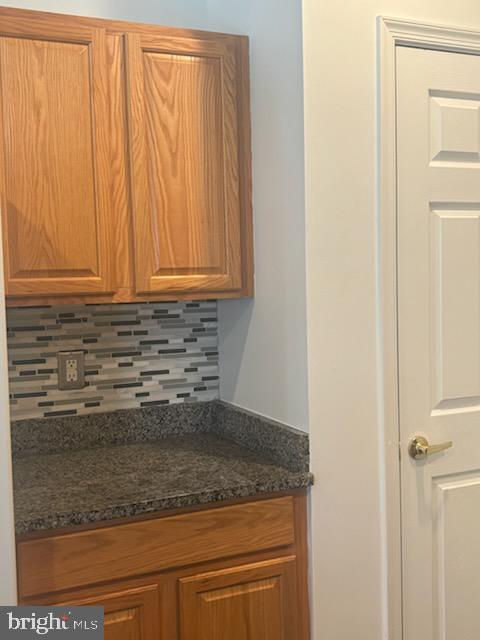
column 125, row 170
column 54, row 158
column 183, row 124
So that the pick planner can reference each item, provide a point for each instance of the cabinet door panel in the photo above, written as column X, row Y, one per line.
column 54, row 150
column 131, row 613
column 252, row 602
column 184, row 159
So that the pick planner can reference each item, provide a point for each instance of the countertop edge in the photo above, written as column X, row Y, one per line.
column 53, row 522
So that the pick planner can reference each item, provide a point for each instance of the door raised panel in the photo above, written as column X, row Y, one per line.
column 53, row 150
column 184, row 159
column 252, row 602
column 455, row 314
column 454, row 127
column 131, row 613
column 456, row 556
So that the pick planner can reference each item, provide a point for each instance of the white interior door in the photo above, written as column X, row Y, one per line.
column 438, row 159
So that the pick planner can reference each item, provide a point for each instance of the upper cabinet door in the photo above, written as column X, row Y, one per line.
column 54, row 157
column 184, row 146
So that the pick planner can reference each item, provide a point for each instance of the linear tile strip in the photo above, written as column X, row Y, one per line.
column 136, row 355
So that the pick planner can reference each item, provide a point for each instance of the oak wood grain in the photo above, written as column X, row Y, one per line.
column 301, row 551
column 54, row 181
column 121, row 232
column 71, row 201
column 168, row 587
column 59, row 562
column 251, row 602
column 245, row 165
column 228, row 581
column 131, row 612
column 184, row 164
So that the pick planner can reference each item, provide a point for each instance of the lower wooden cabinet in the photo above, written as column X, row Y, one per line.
column 203, row 583
column 252, row 602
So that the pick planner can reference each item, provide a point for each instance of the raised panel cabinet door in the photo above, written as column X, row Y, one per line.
column 131, row 613
column 183, row 125
column 54, row 159
column 250, row 602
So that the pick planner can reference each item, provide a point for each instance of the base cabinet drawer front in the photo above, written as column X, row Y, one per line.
column 72, row 560
column 130, row 613
column 252, row 602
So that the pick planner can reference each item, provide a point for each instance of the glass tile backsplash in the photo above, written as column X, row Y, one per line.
column 136, row 355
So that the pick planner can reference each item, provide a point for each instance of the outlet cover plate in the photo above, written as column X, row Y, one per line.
column 71, row 370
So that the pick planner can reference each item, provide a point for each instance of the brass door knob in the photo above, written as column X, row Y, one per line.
column 418, row 447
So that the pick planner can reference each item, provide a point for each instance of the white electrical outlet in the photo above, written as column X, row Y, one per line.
column 71, row 369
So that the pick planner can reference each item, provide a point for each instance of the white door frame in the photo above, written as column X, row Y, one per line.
column 391, row 33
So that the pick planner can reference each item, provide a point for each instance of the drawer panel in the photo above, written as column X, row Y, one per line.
column 71, row 560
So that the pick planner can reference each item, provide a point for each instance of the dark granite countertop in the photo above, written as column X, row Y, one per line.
column 121, row 478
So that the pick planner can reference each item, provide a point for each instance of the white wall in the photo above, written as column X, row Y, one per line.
column 180, row 13
column 263, row 352
column 340, row 76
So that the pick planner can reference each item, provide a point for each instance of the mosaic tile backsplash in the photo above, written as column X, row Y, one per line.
column 136, row 355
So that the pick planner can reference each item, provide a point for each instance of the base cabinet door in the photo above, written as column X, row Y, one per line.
column 251, row 602
column 131, row 613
